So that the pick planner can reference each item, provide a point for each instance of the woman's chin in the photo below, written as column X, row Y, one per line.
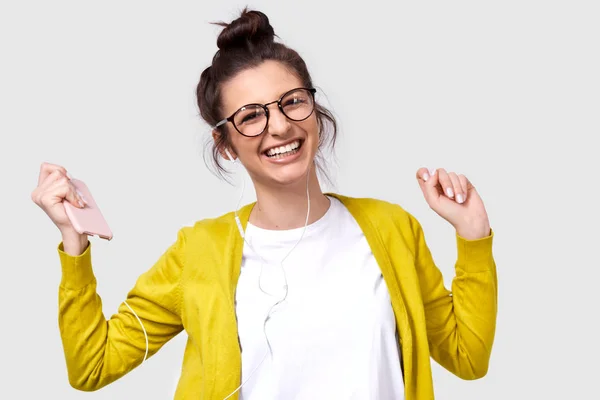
column 289, row 174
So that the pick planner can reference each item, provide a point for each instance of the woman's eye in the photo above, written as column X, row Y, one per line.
column 248, row 118
column 294, row 101
column 252, row 117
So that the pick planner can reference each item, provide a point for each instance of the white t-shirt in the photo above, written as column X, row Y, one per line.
column 334, row 336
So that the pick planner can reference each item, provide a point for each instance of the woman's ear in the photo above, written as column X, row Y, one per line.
column 216, row 136
column 226, row 153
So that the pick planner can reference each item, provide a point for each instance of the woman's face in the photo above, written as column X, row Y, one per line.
column 264, row 84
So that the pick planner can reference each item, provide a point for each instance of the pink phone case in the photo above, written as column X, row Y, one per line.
column 87, row 220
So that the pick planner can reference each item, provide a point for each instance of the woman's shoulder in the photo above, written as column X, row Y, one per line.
column 374, row 207
column 381, row 213
column 207, row 234
column 211, row 225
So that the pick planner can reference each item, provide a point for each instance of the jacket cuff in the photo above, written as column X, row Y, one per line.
column 475, row 255
column 76, row 270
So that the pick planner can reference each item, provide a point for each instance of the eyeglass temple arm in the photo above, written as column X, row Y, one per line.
column 221, row 122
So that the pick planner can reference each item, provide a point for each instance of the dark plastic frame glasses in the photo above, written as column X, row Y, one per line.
column 231, row 118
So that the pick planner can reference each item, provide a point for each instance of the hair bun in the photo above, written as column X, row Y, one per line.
column 251, row 28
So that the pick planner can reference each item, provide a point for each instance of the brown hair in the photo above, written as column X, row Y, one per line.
column 245, row 43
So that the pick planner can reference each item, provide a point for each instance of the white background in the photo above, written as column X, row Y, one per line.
column 505, row 92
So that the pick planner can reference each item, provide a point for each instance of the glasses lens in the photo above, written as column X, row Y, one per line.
column 298, row 105
column 250, row 120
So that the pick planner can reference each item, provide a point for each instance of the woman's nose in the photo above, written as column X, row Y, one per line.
column 278, row 124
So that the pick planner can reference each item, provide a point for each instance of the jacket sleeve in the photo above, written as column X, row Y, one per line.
column 461, row 324
column 99, row 351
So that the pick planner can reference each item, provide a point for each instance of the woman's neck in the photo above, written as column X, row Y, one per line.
column 285, row 208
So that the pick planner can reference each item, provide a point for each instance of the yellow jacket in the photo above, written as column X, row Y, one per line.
column 192, row 287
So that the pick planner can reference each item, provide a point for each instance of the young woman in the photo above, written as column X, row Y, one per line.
column 301, row 295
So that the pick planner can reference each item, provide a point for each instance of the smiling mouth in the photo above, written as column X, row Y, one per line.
column 289, row 149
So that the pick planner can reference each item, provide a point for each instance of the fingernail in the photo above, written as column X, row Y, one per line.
column 81, row 204
column 425, row 176
column 449, row 192
column 459, row 198
column 80, row 197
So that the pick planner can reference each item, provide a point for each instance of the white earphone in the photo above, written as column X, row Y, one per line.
column 229, row 156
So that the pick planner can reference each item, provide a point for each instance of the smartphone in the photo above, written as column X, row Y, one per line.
column 87, row 220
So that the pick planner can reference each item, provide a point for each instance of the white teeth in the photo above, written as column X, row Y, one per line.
column 283, row 149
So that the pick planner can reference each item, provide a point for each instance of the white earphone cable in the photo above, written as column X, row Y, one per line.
column 241, row 230
column 143, row 329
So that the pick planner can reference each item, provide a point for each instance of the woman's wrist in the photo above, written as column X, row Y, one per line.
column 74, row 243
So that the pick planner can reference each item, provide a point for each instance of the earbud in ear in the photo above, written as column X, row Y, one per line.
column 229, row 156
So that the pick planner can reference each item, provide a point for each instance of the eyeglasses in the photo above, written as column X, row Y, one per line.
column 252, row 119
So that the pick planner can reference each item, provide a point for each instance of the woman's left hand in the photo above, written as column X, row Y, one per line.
column 455, row 199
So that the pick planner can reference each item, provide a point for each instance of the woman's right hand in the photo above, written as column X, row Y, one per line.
column 53, row 188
